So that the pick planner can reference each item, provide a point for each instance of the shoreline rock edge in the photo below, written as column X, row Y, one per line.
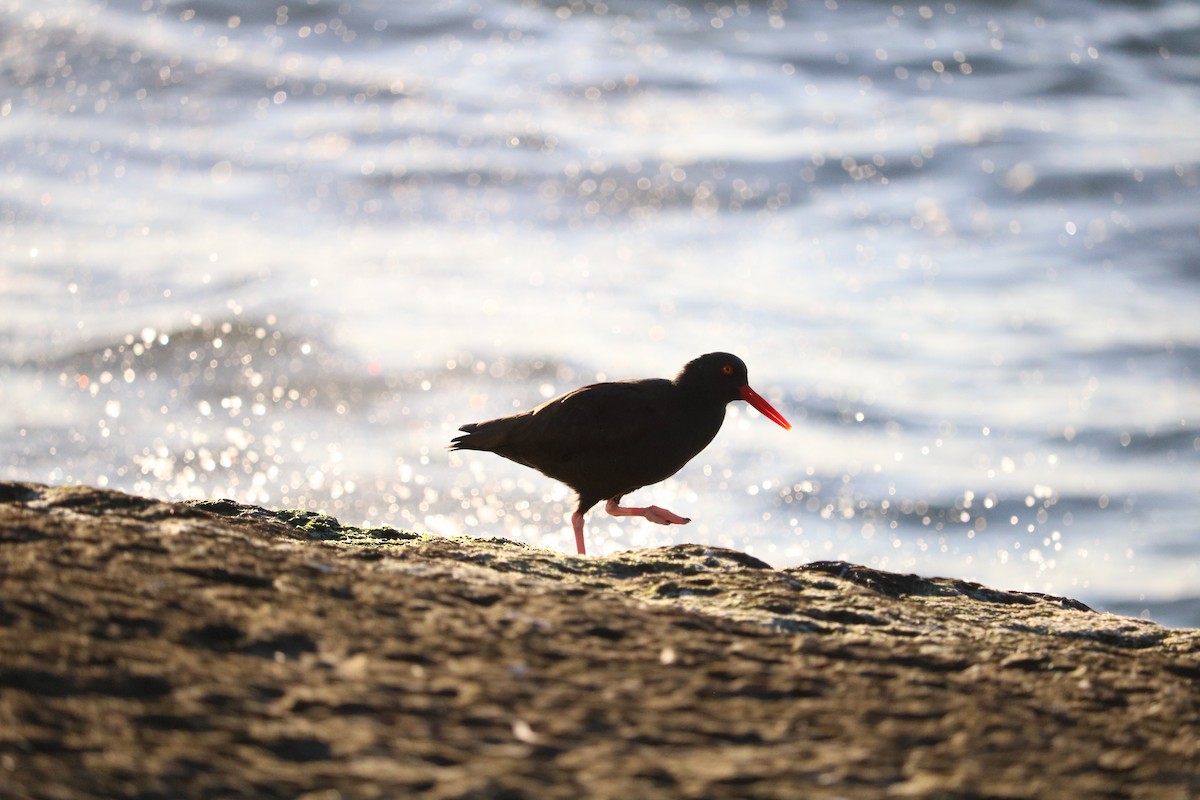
column 157, row 649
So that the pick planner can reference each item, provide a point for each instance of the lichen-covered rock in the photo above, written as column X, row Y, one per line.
column 162, row 650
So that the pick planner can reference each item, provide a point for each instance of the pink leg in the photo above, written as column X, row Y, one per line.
column 653, row 513
column 577, row 524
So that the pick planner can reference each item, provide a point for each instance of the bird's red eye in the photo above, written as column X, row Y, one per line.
column 727, row 369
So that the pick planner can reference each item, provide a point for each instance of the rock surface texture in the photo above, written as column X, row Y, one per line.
column 157, row 650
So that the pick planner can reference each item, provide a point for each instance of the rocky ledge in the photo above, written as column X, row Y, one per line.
column 157, row 650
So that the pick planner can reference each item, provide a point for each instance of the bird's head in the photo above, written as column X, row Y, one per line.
column 724, row 376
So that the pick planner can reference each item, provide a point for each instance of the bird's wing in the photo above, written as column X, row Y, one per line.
column 603, row 417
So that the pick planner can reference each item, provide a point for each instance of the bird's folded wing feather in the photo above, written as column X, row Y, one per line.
column 602, row 417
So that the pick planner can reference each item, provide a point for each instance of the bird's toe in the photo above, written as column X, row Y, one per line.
column 664, row 517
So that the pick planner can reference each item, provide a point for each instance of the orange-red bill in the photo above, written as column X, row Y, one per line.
column 755, row 399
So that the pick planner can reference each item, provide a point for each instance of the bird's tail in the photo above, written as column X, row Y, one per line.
column 494, row 435
column 464, row 442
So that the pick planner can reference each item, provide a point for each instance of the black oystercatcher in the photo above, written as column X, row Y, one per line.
column 608, row 439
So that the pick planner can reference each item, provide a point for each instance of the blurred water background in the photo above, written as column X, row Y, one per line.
column 280, row 251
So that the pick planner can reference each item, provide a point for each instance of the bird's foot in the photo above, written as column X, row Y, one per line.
column 664, row 517
column 655, row 514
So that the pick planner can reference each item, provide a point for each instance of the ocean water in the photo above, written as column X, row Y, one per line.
column 280, row 251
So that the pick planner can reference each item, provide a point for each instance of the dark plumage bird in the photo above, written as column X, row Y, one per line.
column 608, row 439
